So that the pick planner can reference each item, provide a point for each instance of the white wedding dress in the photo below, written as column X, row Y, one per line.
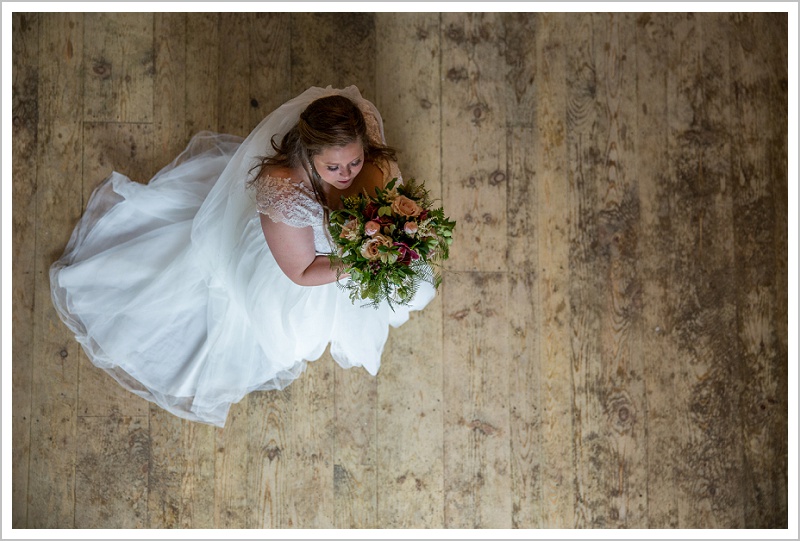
column 171, row 288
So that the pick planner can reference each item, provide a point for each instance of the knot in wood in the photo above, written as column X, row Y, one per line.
column 273, row 453
column 102, row 68
column 496, row 178
column 621, row 412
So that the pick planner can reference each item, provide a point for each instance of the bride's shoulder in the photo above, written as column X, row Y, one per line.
column 278, row 172
column 281, row 194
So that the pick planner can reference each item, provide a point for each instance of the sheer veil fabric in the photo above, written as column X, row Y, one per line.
column 171, row 288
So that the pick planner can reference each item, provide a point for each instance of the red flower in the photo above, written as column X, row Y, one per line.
column 407, row 255
column 371, row 211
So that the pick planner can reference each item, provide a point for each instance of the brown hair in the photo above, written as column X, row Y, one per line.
column 332, row 121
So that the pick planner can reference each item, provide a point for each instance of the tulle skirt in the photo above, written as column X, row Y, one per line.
column 190, row 325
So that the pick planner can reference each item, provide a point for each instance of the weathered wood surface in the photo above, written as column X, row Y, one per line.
column 609, row 348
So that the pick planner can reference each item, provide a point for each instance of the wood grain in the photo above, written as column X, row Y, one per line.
column 24, row 110
column 270, row 63
column 270, row 413
column 473, row 140
column 169, row 86
column 755, row 90
column 610, row 344
column 655, row 240
column 477, row 477
column 202, row 73
column 554, row 221
column 118, row 79
column 111, row 471
column 335, row 49
column 524, row 332
column 478, row 482
column 703, row 309
column 409, row 414
column 54, row 404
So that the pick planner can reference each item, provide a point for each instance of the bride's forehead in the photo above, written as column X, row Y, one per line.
column 347, row 153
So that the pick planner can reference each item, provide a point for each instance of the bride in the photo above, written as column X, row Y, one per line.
column 212, row 280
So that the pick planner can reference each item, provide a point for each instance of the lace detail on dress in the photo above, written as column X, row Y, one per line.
column 292, row 203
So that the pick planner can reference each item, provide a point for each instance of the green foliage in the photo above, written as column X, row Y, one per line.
column 406, row 249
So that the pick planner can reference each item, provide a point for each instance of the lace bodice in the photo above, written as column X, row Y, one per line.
column 293, row 203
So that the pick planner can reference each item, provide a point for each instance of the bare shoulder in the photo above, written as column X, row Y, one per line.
column 280, row 171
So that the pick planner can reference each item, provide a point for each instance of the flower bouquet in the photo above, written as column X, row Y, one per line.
column 390, row 243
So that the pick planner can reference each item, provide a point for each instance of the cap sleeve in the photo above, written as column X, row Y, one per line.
column 286, row 201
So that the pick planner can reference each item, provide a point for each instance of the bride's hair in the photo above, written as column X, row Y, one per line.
column 332, row 121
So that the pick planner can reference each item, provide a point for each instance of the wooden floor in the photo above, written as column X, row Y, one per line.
column 609, row 347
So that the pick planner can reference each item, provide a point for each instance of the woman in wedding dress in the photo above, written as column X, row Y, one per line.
column 211, row 281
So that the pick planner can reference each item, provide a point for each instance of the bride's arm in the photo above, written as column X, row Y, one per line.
column 293, row 249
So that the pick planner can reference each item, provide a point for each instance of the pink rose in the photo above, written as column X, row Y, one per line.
column 403, row 206
column 371, row 227
column 370, row 249
column 411, row 228
column 350, row 230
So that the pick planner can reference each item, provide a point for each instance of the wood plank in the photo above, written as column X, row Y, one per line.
column 624, row 396
column 584, row 126
column 233, row 506
column 112, row 472
column 655, row 249
column 165, row 506
column 233, row 88
column 355, row 489
column 518, row 48
column 270, row 413
column 51, row 489
column 169, row 84
column 309, row 453
column 355, row 482
column 520, row 55
column 334, row 49
column 182, row 453
column 270, row 418
column 198, row 496
column 476, row 444
column 24, row 110
column 409, row 412
column 473, row 141
column 128, row 149
column 520, row 31
column 605, row 286
column 756, row 79
column 337, row 49
column 780, row 157
column 554, row 222
column 524, row 332
column 270, row 63
column 708, row 459
column 477, row 478
column 202, row 58
column 118, row 81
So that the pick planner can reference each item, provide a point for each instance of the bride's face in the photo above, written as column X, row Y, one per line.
column 338, row 166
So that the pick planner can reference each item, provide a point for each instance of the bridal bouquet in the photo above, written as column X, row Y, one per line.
column 390, row 243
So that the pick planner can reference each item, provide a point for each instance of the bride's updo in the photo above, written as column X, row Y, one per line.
column 331, row 121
